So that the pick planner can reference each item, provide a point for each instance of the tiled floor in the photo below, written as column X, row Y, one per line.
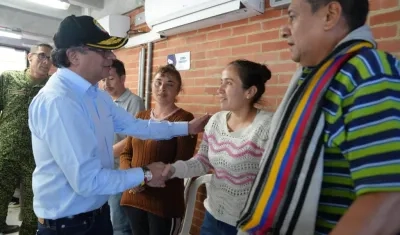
column 12, row 217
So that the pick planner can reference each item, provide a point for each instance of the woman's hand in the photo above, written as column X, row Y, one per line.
column 169, row 170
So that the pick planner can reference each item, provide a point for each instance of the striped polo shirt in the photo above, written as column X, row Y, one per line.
column 362, row 134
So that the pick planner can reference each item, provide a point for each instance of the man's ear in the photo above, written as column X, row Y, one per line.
column 72, row 56
column 123, row 77
column 333, row 14
column 30, row 58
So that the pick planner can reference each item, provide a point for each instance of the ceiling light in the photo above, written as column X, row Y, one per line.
column 52, row 3
column 10, row 34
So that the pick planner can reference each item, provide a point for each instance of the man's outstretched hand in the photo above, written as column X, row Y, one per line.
column 157, row 169
column 197, row 125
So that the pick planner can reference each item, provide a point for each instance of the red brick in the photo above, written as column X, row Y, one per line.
column 193, row 108
column 285, row 78
column 388, row 4
column 269, row 14
column 222, row 62
column 384, row 31
column 274, row 46
column 197, row 221
column 285, row 55
column 210, row 90
column 387, row 17
column 267, row 57
column 236, row 41
column 207, row 82
column 269, row 101
column 194, row 90
column 196, row 39
column 245, row 29
column 199, row 213
column 132, row 65
column 205, row 63
column 220, row 34
column 186, row 82
column 203, row 99
column 219, row 53
column 176, row 41
column 208, row 29
column 207, row 45
column 163, row 52
column 235, row 23
column 264, row 36
column 198, row 55
column 381, row 4
column 273, row 91
column 284, row 12
column 159, row 60
column 195, row 230
column 282, row 67
column 188, row 34
column 212, row 109
column 390, row 46
column 183, row 49
column 243, row 50
column 193, row 73
column 215, row 72
column 274, row 23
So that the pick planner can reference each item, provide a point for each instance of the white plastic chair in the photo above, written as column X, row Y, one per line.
column 190, row 199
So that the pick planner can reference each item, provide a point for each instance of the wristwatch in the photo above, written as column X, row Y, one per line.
column 147, row 174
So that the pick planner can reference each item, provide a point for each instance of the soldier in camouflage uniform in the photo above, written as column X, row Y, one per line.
column 17, row 89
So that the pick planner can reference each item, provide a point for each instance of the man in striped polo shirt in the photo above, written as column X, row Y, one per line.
column 361, row 176
column 360, row 182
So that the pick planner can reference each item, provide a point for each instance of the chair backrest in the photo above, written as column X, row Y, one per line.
column 190, row 199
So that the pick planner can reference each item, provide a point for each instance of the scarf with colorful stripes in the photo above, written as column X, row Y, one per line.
column 285, row 194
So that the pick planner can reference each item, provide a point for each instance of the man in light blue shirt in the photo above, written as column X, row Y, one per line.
column 72, row 124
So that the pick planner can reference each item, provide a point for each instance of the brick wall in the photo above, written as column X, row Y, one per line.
column 256, row 39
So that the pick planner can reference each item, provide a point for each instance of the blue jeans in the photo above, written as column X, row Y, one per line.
column 212, row 226
column 82, row 224
column 119, row 220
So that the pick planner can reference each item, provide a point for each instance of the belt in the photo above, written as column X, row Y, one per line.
column 92, row 213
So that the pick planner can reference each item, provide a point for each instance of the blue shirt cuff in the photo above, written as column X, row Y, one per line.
column 135, row 176
column 180, row 128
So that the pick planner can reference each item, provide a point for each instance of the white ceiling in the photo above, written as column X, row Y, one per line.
column 39, row 23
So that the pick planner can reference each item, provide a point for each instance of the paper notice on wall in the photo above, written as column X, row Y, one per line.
column 180, row 60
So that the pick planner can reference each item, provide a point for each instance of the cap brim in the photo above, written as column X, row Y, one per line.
column 112, row 43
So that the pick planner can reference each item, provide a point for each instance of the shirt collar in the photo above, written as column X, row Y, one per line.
column 78, row 83
column 124, row 96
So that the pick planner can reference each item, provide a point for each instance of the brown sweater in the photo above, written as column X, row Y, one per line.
column 167, row 202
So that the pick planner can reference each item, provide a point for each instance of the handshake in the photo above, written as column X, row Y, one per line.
column 161, row 172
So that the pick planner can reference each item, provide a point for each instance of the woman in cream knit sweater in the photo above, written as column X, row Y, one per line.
column 233, row 143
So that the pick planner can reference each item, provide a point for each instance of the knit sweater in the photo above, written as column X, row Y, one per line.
column 234, row 157
column 166, row 202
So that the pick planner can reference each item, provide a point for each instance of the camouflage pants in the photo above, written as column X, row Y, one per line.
column 17, row 170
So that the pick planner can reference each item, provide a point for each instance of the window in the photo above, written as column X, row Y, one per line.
column 12, row 59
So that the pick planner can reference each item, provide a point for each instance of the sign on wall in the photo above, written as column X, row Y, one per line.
column 181, row 61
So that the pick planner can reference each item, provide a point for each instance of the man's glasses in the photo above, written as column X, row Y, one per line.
column 42, row 56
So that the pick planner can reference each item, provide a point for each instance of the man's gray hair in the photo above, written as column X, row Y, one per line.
column 35, row 48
